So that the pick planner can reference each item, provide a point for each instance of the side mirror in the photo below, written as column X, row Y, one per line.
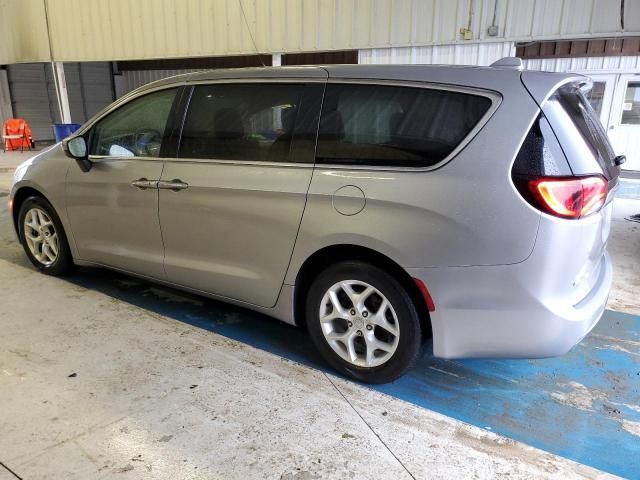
column 76, row 148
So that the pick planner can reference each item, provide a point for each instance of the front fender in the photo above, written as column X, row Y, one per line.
column 46, row 174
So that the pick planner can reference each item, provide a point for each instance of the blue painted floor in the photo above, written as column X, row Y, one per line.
column 629, row 188
column 584, row 406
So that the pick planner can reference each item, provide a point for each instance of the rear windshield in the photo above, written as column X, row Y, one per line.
column 580, row 132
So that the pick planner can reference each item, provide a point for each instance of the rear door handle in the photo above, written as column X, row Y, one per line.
column 143, row 183
column 173, row 185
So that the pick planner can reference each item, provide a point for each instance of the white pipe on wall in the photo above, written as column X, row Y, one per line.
column 6, row 110
column 61, row 91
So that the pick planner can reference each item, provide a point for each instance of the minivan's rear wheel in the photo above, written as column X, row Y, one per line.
column 363, row 322
column 43, row 238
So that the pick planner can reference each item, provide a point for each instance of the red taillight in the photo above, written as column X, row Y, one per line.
column 568, row 197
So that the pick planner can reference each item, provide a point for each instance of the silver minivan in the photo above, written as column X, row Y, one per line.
column 376, row 205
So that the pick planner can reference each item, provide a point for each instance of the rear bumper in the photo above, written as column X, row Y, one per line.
column 498, row 312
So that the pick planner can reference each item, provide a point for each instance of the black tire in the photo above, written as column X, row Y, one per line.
column 63, row 262
column 410, row 335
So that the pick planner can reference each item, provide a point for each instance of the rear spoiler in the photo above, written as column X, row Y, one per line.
column 541, row 85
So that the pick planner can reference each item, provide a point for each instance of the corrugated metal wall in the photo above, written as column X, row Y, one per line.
column 33, row 94
column 33, row 97
column 91, row 29
column 132, row 79
column 90, row 88
column 23, row 32
column 584, row 64
column 458, row 54
column 84, row 30
column 5, row 101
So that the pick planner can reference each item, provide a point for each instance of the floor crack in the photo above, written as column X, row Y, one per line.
column 368, row 425
column 10, row 471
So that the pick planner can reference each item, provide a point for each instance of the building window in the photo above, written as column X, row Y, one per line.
column 631, row 105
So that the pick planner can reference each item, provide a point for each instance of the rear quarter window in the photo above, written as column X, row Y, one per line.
column 540, row 153
column 381, row 125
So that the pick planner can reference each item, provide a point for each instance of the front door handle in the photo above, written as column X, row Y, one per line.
column 173, row 185
column 143, row 183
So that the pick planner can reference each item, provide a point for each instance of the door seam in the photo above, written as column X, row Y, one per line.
column 164, row 249
column 306, row 199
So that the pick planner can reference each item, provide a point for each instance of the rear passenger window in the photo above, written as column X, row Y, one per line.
column 249, row 122
column 394, row 126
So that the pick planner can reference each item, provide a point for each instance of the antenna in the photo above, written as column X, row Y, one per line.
column 508, row 62
column 250, row 34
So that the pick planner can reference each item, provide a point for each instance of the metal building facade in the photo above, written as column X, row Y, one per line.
column 585, row 64
column 33, row 97
column 132, row 79
column 23, row 32
column 456, row 54
column 86, row 30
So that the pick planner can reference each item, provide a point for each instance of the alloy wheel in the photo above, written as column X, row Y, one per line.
column 41, row 236
column 359, row 323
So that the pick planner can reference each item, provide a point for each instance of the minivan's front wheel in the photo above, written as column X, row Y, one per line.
column 43, row 238
column 363, row 322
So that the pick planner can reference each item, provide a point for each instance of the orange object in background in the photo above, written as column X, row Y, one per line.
column 16, row 134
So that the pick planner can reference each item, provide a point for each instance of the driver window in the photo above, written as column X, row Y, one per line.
column 136, row 129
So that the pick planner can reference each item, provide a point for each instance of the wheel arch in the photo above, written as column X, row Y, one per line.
column 326, row 256
column 18, row 199
column 25, row 191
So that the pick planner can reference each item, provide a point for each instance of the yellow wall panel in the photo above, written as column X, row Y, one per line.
column 278, row 28
column 292, row 31
column 401, row 21
column 23, row 32
column 309, row 22
column 85, row 30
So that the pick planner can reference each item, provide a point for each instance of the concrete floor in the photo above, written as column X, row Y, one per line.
column 624, row 247
column 102, row 375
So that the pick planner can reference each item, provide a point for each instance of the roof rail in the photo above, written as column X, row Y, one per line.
column 509, row 62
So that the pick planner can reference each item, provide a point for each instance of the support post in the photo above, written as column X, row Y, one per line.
column 61, row 91
column 6, row 110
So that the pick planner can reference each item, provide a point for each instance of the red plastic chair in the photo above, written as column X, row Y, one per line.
column 16, row 134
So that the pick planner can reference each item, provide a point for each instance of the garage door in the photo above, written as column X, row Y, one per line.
column 33, row 94
column 90, row 87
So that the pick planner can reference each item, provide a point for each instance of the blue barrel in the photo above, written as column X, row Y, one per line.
column 63, row 130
